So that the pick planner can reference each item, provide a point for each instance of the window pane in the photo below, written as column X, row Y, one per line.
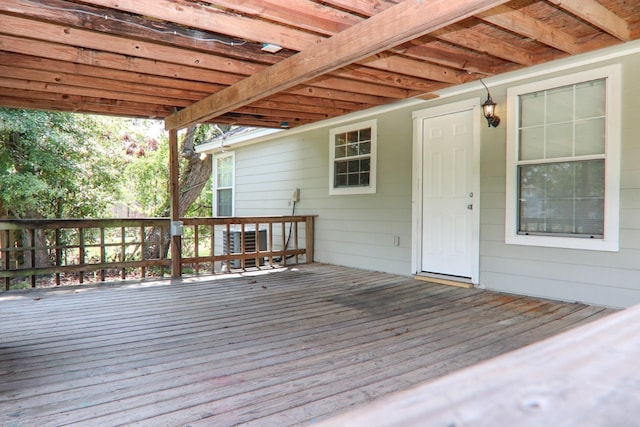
column 562, row 198
column 352, row 136
column 341, row 167
column 352, row 158
column 560, row 105
column 590, row 99
column 559, row 141
column 532, row 109
column 590, row 137
column 532, row 143
column 224, row 171
column 224, row 202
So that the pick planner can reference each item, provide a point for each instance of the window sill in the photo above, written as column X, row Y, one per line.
column 580, row 243
column 345, row 191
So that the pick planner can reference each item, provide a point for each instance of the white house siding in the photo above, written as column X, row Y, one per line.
column 359, row 230
column 603, row 278
column 351, row 230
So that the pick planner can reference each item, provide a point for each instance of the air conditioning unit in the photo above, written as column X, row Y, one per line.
column 233, row 241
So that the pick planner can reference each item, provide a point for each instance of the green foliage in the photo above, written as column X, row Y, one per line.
column 63, row 165
column 145, row 181
column 56, row 165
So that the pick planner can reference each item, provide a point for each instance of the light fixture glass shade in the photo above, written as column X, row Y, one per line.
column 489, row 112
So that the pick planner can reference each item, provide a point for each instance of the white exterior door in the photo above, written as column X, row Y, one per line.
column 447, row 194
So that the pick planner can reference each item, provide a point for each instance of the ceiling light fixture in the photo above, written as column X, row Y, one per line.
column 489, row 109
column 271, row 48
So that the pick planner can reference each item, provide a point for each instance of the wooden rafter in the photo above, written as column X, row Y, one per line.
column 127, row 56
column 216, row 21
column 518, row 22
column 594, row 13
column 394, row 26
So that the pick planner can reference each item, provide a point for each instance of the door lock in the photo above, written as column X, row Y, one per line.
column 470, row 207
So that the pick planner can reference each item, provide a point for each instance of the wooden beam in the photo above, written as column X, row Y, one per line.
column 44, row 31
column 521, row 23
column 128, row 25
column 438, row 73
column 308, row 15
column 174, row 194
column 597, row 15
column 480, row 42
column 138, row 83
column 29, row 85
column 113, row 61
column 148, row 71
column 228, row 70
column 17, row 98
column 396, row 25
column 427, row 48
column 319, row 19
column 72, row 84
column 214, row 20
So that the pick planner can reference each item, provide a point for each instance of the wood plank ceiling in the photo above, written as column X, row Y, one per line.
column 187, row 61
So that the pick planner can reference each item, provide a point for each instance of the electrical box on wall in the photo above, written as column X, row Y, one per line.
column 295, row 197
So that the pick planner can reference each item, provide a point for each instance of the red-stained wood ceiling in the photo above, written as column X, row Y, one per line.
column 192, row 61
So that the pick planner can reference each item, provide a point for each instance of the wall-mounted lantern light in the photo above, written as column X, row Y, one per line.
column 489, row 109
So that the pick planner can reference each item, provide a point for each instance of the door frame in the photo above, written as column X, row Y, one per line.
column 417, row 190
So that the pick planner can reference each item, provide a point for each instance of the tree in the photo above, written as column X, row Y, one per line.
column 195, row 173
column 55, row 165
column 147, row 185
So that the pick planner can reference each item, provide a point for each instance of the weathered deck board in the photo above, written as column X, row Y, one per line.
column 280, row 348
column 584, row 377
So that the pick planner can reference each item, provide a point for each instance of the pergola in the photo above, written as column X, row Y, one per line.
column 274, row 63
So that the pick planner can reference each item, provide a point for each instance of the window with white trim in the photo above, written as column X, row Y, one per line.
column 353, row 159
column 563, row 162
column 223, row 180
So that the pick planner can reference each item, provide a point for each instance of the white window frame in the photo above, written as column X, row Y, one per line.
column 215, row 186
column 610, row 240
column 371, row 188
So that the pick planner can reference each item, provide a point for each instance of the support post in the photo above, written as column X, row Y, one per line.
column 309, row 238
column 174, row 176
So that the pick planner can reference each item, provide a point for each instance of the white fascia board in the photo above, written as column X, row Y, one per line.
column 546, row 68
column 237, row 140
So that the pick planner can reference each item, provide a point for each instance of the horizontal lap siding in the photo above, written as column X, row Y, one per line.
column 351, row 230
column 359, row 230
column 604, row 278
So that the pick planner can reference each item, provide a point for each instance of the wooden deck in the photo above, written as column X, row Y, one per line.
column 276, row 348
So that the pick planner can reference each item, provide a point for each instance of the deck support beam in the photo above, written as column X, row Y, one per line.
column 174, row 178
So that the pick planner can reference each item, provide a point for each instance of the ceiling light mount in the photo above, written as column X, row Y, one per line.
column 271, row 48
column 489, row 109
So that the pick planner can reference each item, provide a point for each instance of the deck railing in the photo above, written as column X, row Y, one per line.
column 54, row 252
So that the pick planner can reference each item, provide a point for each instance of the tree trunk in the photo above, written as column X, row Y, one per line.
column 193, row 178
column 39, row 257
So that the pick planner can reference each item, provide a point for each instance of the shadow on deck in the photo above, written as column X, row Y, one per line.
column 278, row 347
